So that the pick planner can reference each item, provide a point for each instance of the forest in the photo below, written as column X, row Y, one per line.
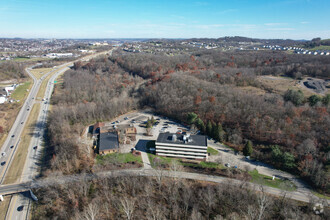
column 161, row 198
column 205, row 90
column 210, row 84
column 11, row 70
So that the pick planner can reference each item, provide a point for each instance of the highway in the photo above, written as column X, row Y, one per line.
column 19, row 204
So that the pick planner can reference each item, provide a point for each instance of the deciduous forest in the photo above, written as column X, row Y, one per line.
column 205, row 89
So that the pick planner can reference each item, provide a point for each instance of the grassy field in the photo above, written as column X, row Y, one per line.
column 160, row 160
column 322, row 47
column 17, row 165
column 34, row 59
column 212, row 151
column 21, row 91
column 281, row 84
column 167, row 161
column 267, row 181
column 38, row 73
column 9, row 111
column 4, row 207
column 118, row 158
column 321, row 195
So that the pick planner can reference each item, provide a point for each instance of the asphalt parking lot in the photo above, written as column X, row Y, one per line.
column 139, row 119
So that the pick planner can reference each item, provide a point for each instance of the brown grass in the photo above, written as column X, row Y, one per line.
column 43, row 86
column 16, row 168
column 281, row 84
column 4, row 206
column 38, row 73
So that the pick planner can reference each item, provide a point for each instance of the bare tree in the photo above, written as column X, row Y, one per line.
column 128, row 205
column 91, row 212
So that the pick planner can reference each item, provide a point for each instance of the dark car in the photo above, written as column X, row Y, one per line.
column 13, row 136
column 12, row 146
column 20, row 208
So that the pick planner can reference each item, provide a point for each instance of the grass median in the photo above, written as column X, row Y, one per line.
column 38, row 73
column 17, row 165
column 4, row 207
column 43, row 86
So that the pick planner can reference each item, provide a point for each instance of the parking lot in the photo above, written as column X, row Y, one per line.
column 139, row 120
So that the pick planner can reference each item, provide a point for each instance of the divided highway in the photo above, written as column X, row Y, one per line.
column 20, row 204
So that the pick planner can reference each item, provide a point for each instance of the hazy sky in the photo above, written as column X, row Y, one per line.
column 295, row 19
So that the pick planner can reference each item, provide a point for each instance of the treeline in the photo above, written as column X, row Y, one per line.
column 162, row 198
column 240, row 62
column 11, row 70
column 95, row 91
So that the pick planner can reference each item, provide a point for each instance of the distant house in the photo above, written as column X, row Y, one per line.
column 182, row 146
column 108, row 142
column 11, row 88
column 3, row 99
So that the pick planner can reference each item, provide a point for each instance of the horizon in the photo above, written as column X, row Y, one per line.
column 127, row 19
column 156, row 38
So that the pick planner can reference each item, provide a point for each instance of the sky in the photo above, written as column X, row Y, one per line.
column 290, row 19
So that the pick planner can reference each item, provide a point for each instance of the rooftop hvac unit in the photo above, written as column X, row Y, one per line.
column 174, row 137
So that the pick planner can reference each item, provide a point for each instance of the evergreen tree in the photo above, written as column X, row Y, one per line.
column 149, row 124
column 191, row 117
column 200, row 124
column 248, row 149
column 313, row 100
column 326, row 100
column 217, row 132
column 209, row 128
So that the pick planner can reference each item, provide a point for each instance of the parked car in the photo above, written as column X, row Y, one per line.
column 227, row 164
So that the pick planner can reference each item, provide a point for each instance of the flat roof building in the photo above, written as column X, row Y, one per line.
column 182, row 146
column 108, row 142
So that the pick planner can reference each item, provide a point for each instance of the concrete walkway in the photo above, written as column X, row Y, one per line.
column 146, row 161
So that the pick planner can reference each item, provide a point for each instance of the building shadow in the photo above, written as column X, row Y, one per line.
column 141, row 145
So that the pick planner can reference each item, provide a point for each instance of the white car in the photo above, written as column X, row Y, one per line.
column 3, row 154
